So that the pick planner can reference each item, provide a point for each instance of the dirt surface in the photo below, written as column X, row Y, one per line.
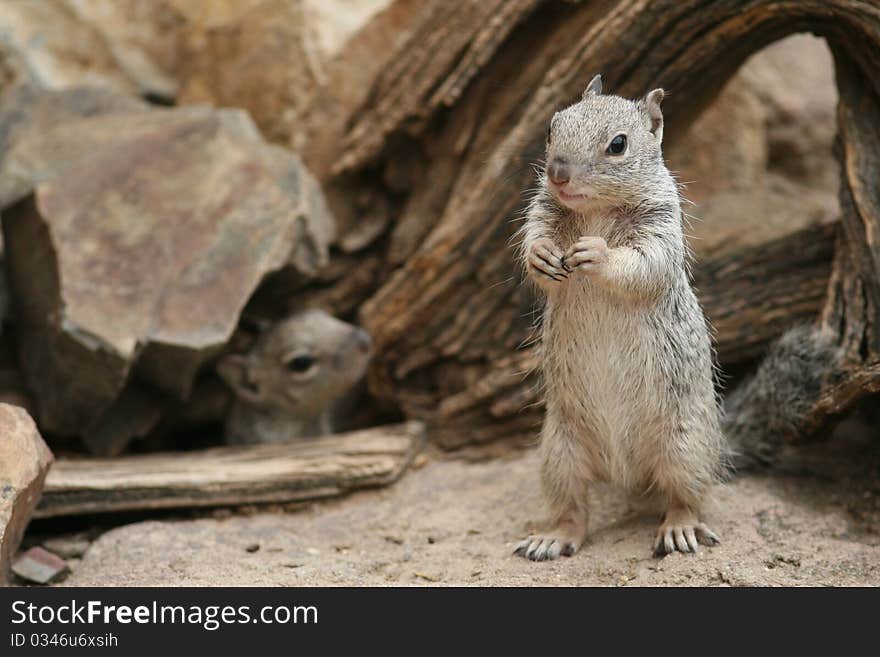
column 815, row 520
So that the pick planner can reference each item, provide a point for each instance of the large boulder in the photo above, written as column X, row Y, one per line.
column 758, row 162
column 26, row 111
column 271, row 57
column 24, row 462
column 133, row 241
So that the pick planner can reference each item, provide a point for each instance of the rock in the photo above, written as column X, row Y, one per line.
column 139, row 31
column 141, row 37
column 134, row 242
column 40, row 566
column 250, row 54
column 13, row 68
column 758, row 162
column 273, row 56
column 12, row 387
column 304, row 69
column 55, row 48
column 726, row 147
column 26, row 111
column 134, row 414
column 267, row 56
column 24, row 462
column 794, row 79
column 72, row 546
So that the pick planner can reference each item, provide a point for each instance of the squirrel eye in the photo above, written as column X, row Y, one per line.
column 300, row 364
column 549, row 131
column 617, row 145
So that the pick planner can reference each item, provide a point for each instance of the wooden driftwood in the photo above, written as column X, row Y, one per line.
column 753, row 294
column 226, row 476
column 450, row 159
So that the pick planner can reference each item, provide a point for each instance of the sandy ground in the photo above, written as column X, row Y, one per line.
column 813, row 521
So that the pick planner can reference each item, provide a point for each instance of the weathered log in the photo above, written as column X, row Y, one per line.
column 229, row 476
column 450, row 308
column 753, row 294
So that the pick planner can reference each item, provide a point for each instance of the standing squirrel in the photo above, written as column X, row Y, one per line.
column 627, row 357
column 285, row 387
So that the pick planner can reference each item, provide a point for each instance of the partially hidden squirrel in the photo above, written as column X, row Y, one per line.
column 627, row 359
column 285, row 387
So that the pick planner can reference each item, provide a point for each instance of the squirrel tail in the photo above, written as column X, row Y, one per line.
column 772, row 405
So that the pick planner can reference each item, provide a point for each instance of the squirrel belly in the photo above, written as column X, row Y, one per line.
column 631, row 376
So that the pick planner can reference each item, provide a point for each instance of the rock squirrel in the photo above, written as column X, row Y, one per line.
column 285, row 386
column 627, row 357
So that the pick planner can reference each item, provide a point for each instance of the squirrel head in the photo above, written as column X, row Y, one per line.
column 299, row 365
column 604, row 150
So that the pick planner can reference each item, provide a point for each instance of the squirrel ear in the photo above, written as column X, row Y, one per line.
column 594, row 88
column 652, row 107
column 234, row 369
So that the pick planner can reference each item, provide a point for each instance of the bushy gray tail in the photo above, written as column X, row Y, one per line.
column 772, row 405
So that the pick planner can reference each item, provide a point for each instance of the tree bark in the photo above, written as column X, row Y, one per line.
column 753, row 294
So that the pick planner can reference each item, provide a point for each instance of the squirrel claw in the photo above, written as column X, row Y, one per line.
column 545, row 548
column 543, row 258
column 683, row 538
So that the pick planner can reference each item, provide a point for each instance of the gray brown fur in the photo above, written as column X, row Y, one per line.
column 771, row 405
column 276, row 399
column 627, row 360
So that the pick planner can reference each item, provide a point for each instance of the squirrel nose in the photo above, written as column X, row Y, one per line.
column 558, row 172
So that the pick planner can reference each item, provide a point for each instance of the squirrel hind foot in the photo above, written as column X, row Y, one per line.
column 545, row 548
column 563, row 540
column 683, row 533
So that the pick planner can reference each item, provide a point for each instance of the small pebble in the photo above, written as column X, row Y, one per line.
column 40, row 566
column 67, row 547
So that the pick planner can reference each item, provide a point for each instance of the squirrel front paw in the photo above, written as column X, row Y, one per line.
column 588, row 254
column 544, row 260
